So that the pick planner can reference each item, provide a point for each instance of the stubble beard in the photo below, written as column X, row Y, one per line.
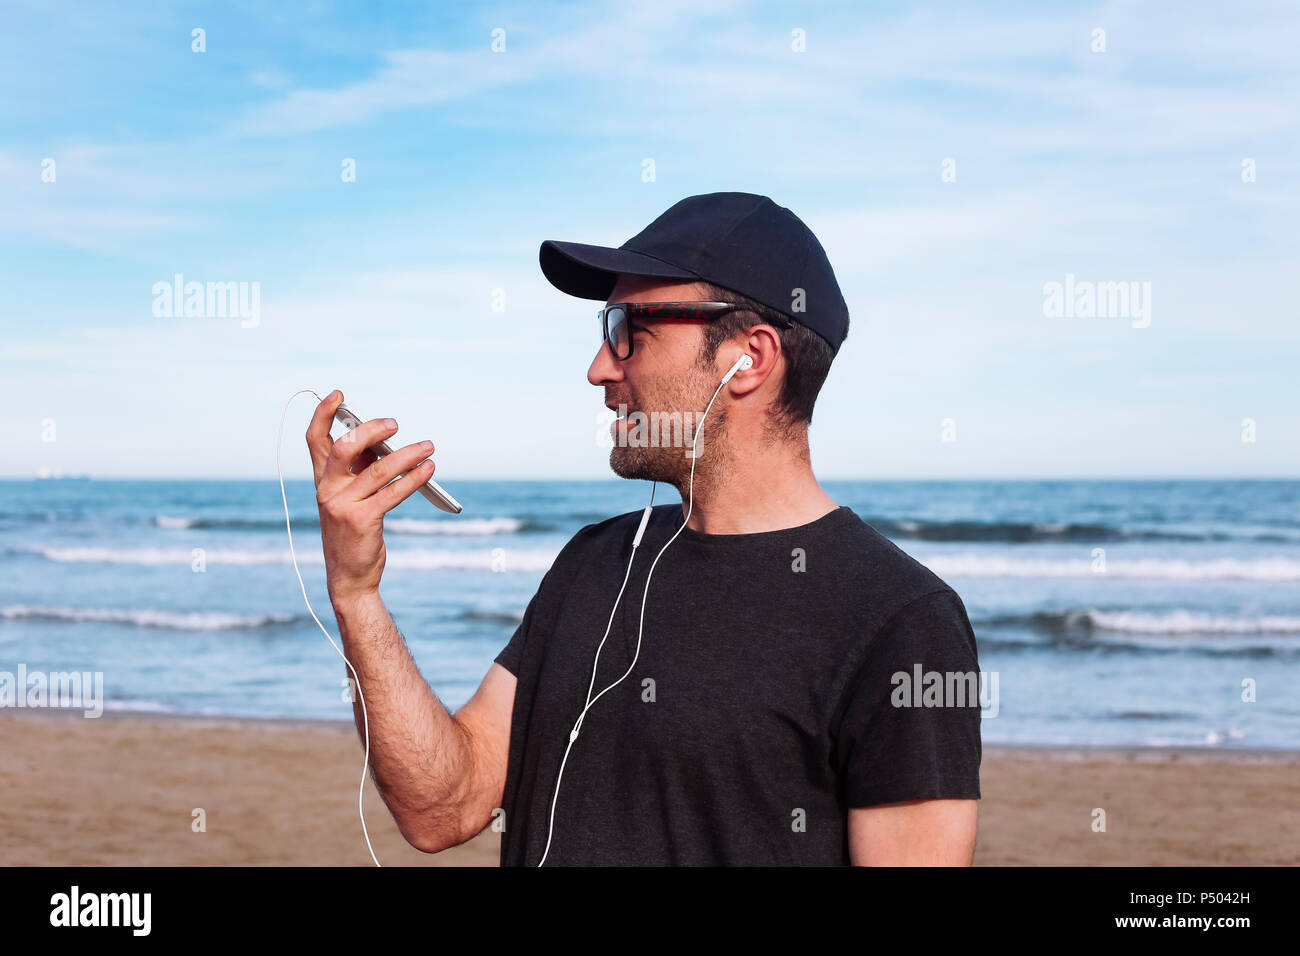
column 671, row 464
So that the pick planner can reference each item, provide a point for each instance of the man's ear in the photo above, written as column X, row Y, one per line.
column 763, row 346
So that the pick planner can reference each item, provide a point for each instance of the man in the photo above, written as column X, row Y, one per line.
column 756, row 702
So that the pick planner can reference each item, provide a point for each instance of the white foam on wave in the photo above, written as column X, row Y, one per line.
column 495, row 559
column 538, row 559
column 144, row 706
column 468, row 527
column 173, row 521
column 1185, row 622
column 145, row 617
column 1219, row 569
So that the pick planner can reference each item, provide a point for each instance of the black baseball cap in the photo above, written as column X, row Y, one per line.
column 740, row 241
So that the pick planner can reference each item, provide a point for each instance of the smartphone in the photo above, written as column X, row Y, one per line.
column 430, row 489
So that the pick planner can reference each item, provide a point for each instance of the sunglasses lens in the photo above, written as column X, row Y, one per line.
column 617, row 333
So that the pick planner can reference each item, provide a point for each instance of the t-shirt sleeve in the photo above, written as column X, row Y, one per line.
column 513, row 652
column 909, row 724
column 544, row 601
column 548, row 591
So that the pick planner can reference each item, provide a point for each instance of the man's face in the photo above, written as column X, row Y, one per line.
column 663, row 376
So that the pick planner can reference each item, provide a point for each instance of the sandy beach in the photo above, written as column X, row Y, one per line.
column 122, row 790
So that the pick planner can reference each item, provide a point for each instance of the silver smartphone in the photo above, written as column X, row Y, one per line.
column 430, row 489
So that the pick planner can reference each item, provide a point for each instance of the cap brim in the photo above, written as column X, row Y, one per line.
column 590, row 272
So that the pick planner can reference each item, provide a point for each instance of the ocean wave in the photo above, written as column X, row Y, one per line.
column 512, row 618
column 1007, row 532
column 173, row 521
column 452, row 526
column 901, row 528
column 145, row 617
column 139, row 706
column 1214, row 569
column 495, row 559
column 521, row 559
column 183, row 523
column 1031, row 532
column 1177, row 622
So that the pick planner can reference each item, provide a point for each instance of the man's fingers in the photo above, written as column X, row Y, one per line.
column 387, row 468
column 319, row 442
column 398, row 491
column 364, row 461
column 351, row 446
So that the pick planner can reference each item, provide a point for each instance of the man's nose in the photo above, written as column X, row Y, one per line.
column 604, row 368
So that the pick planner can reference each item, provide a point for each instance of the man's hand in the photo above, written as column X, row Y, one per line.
column 353, row 493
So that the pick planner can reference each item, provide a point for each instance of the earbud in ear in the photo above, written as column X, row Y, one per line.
column 742, row 363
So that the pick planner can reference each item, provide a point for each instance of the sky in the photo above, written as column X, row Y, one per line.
column 954, row 160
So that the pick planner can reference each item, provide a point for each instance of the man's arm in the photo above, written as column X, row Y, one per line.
column 440, row 776
column 914, row 833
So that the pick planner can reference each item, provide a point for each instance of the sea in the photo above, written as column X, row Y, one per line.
column 1107, row 613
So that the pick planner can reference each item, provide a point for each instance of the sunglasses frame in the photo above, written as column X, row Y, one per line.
column 698, row 311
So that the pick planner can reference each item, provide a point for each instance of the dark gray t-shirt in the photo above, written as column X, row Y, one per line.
column 762, row 705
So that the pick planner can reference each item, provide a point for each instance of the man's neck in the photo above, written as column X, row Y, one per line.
column 771, row 488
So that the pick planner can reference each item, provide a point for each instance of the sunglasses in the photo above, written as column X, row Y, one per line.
column 615, row 320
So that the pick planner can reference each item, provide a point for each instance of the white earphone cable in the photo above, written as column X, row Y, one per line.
column 356, row 681
column 573, row 734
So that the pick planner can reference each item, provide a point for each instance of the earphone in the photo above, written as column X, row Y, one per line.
column 742, row 363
